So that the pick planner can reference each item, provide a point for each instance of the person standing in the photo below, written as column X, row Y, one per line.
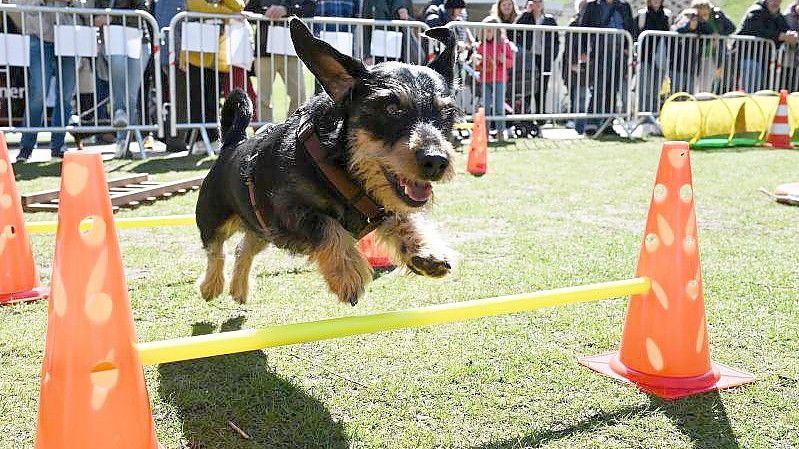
column 493, row 59
column 651, row 57
column 44, row 65
column 609, row 54
column 764, row 20
column 790, row 60
column 542, row 46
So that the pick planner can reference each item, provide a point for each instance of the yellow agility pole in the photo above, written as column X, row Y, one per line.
column 49, row 227
column 188, row 348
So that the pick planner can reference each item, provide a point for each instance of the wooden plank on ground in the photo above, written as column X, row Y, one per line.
column 156, row 191
column 48, row 195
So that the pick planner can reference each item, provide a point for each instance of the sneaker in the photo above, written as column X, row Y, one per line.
column 121, row 149
column 58, row 153
column 21, row 158
column 149, row 142
column 120, row 119
column 570, row 124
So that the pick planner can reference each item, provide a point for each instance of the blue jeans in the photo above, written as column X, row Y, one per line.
column 751, row 75
column 126, row 78
column 494, row 100
column 39, row 81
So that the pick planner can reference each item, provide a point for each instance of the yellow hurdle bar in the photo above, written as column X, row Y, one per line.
column 49, row 227
column 188, row 348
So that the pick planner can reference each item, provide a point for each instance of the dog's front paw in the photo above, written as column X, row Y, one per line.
column 349, row 283
column 430, row 265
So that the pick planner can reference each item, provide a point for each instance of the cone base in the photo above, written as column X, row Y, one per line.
column 719, row 377
column 34, row 294
column 380, row 262
column 779, row 146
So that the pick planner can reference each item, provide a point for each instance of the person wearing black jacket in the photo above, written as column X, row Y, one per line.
column 651, row 68
column 539, row 47
column 608, row 53
column 686, row 51
column 763, row 20
column 575, row 69
column 270, row 65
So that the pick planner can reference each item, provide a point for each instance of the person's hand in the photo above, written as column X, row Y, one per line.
column 99, row 21
column 276, row 12
column 583, row 57
column 791, row 37
column 369, row 61
column 403, row 14
column 693, row 24
column 182, row 65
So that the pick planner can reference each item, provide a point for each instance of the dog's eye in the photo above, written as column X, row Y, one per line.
column 393, row 109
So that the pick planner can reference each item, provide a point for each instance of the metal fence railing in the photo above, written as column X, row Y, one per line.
column 79, row 70
column 669, row 62
column 211, row 54
column 547, row 72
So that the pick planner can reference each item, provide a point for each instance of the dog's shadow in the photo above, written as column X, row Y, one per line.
column 245, row 390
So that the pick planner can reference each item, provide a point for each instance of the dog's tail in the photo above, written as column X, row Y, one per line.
column 235, row 117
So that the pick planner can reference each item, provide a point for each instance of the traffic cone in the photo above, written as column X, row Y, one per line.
column 780, row 134
column 93, row 394
column 477, row 163
column 19, row 278
column 375, row 252
column 664, row 348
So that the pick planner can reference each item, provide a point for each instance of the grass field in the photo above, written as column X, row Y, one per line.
column 548, row 214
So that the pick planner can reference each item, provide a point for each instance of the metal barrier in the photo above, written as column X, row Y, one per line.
column 670, row 62
column 50, row 55
column 548, row 72
column 787, row 73
column 216, row 51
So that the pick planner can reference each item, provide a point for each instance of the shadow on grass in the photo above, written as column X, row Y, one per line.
column 244, row 389
column 33, row 170
column 701, row 418
column 172, row 164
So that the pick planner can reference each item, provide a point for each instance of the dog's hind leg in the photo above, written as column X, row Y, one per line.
column 249, row 246
column 344, row 269
column 414, row 242
column 212, row 284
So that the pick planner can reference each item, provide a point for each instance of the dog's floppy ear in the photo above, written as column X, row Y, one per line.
column 444, row 63
column 338, row 73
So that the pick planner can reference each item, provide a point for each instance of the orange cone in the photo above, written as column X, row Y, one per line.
column 477, row 162
column 93, row 394
column 780, row 134
column 19, row 278
column 664, row 349
column 375, row 253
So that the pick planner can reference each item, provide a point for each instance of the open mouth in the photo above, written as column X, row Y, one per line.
column 413, row 193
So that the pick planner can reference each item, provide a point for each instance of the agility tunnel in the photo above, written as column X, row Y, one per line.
column 93, row 387
column 735, row 119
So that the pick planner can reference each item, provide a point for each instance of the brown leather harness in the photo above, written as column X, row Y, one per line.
column 337, row 180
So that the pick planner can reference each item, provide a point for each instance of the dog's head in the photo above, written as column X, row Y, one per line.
column 399, row 117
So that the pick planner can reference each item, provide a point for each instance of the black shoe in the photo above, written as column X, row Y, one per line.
column 610, row 132
column 23, row 156
column 57, row 154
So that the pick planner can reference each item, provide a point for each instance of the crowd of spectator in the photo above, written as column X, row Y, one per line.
column 594, row 70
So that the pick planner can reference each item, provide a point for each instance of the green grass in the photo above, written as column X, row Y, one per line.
column 548, row 214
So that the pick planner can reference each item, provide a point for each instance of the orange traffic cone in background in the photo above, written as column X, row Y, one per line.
column 664, row 349
column 19, row 278
column 376, row 253
column 93, row 394
column 780, row 134
column 477, row 162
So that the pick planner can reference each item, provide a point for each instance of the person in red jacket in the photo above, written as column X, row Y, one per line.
column 494, row 57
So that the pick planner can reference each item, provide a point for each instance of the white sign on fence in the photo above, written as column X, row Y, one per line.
column 75, row 40
column 201, row 37
column 386, row 44
column 340, row 40
column 121, row 40
column 239, row 40
column 279, row 41
column 15, row 50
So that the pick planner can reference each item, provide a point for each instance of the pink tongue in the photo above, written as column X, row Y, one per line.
column 419, row 191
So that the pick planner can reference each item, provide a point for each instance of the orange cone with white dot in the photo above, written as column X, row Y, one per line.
column 19, row 279
column 93, row 394
column 375, row 252
column 779, row 135
column 478, row 152
column 664, row 348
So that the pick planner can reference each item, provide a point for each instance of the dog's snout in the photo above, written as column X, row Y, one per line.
column 432, row 164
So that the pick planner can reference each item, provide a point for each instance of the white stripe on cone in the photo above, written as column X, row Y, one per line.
column 780, row 129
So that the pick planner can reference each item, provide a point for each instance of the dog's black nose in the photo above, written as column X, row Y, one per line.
column 432, row 164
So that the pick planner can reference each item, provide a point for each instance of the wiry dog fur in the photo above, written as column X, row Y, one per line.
column 387, row 126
